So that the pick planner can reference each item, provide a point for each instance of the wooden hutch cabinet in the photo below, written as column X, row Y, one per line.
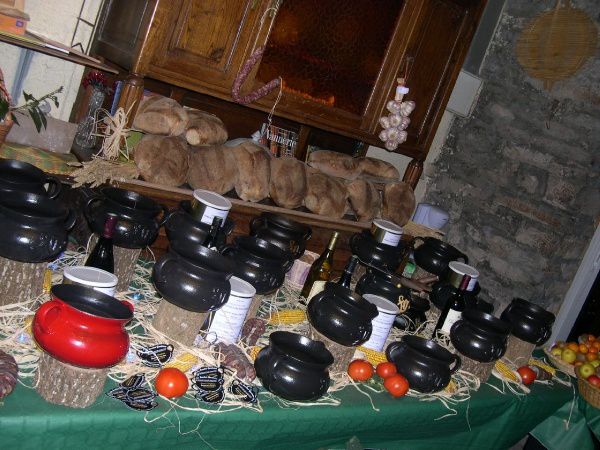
column 338, row 59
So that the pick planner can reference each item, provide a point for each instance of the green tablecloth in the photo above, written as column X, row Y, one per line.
column 575, row 425
column 489, row 420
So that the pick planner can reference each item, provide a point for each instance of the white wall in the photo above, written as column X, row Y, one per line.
column 55, row 19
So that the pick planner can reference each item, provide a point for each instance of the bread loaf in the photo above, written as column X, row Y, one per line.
column 398, row 203
column 204, row 128
column 373, row 167
column 364, row 200
column 334, row 164
column 326, row 195
column 162, row 159
column 161, row 116
column 212, row 168
column 288, row 184
column 254, row 171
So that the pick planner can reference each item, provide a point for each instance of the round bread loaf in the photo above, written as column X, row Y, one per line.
column 254, row 171
column 326, row 195
column 398, row 203
column 212, row 168
column 288, row 184
column 161, row 116
column 162, row 159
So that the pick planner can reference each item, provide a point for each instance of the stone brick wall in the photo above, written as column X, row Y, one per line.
column 520, row 177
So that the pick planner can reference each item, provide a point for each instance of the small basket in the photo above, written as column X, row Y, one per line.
column 590, row 393
column 560, row 364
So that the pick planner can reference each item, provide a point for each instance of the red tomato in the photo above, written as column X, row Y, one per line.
column 594, row 380
column 527, row 374
column 386, row 369
column 360, row 370
column 396, row 385
column 171, row 383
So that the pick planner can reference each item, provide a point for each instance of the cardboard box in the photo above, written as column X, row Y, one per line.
column 12, row 25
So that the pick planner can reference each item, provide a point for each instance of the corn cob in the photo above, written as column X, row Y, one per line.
column 287, row 317
column 506, row 372
column 373, row 356
column 183, row 362
column 254, row 351
column 541, row 364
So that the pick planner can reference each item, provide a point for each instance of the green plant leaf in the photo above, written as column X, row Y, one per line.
column 28, row 97
column 37, row 121
column 43, row 117
column 3, row 109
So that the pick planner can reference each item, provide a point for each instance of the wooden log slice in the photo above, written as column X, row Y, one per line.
column 178, row 324
column 342, row 355
column 479, row 369
column 66, row 385
column 518, row 351
column 20, row 281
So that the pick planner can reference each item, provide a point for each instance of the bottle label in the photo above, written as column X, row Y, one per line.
column 317, row 287
column 210, row 213
column 453, row 316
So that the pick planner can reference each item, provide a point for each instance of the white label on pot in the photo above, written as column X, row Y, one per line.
column 390, row 238
column 453, row 316
column 227, row 321
column 210, row 213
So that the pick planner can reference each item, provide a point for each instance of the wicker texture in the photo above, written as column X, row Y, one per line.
column 20, row 281
column 590, row 393
column 560, row 364
column 518, row 352
column 178, row 324
column 557, row 43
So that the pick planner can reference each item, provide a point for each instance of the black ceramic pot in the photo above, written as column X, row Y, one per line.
column 341, row 315
column 480, row 336
column 259, row 262
column 379, row 282
column 281, row 231
column 19, row 176
column 182, row 227
column 34, row 227
column 137, row 224
column 425, row 364
column 373, row 253
column 435, row 255
column 529, row 322
column 294, row 367
column 196, row 279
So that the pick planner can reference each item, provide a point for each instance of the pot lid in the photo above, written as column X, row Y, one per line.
column 388, row 226
column 212, row 199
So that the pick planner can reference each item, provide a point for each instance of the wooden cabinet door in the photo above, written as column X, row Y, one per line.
column 435, row 53
column 201, row 42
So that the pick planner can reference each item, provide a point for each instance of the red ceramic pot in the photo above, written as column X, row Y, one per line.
column 83, row 327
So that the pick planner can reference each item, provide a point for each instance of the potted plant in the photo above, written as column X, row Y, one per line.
column 31, row 107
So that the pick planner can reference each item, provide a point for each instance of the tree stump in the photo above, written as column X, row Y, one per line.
column 66, row 385
column 518, row 352
column 342, row 355
column 125, row 261
column 178, row 324
column 479, row 369
column 20, row 281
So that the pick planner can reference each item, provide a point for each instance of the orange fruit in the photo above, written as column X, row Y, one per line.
column 596, row 343
column 578, row 363
column 573, row 346
column 592, row 349
column 591, row 337
column 583, row 348
column 591, row 356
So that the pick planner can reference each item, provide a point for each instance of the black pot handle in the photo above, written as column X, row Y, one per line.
column 87, row 208
column 289, row 262
column 71, row 219
column 166, row 215
column 464, row 257
column 308, row 234
column 160, row 263
column 546, row 336
column 228, row 227
column 256, row 223
column 392, row 347
column 457, row 364
column 54, row 186
column 226, row 250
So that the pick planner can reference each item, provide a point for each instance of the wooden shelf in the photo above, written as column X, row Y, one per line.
column 30, row 42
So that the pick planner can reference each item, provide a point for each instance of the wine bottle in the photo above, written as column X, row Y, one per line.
column 346, row 277
column 454, row 307
column 320, row 270
column 210, row 240
column 101, row 256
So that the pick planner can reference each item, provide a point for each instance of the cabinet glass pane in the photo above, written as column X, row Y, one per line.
column 330, row 51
